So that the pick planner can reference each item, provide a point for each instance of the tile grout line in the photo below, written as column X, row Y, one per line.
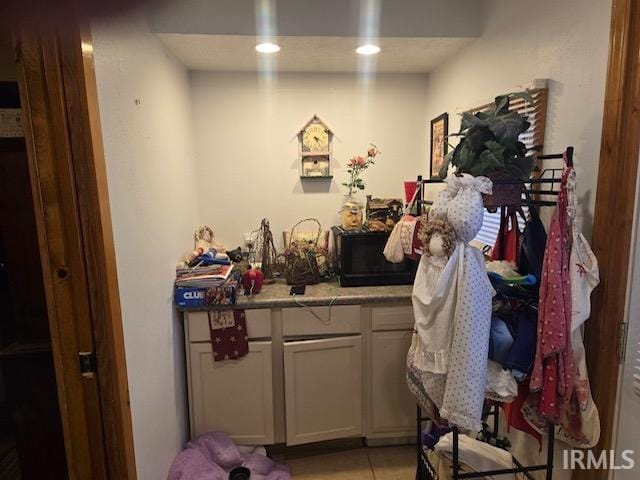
column 373, row 472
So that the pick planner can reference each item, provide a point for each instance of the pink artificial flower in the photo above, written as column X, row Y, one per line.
column 351, row 162
column 359, row 160
column 372, row 152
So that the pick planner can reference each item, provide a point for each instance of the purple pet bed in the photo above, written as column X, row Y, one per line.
column 212, row 456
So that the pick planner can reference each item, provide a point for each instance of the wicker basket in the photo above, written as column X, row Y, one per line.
column 301, row 256
column 503, row 195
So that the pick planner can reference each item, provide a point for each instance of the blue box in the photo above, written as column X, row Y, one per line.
column 190, row 297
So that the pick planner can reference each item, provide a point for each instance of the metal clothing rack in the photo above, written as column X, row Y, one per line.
column 549, row 177
column 425, row 470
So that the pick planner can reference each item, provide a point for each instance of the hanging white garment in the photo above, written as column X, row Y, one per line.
column 433, row 291
column 501, row 386
column 428, row 387
column 467, row 375
column 585, row 276
column 434, row 302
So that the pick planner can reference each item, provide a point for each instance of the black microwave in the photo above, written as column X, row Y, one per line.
column 360, row 260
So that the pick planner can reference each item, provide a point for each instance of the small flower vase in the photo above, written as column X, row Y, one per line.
column 351, row 212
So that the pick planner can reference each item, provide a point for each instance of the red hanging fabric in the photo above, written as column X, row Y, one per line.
column 554, row 370
column 507, row 244
column 515, row 417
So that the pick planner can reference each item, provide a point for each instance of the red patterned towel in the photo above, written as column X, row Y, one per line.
column 229, row 340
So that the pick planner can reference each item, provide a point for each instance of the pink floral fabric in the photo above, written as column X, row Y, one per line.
column 554, row 369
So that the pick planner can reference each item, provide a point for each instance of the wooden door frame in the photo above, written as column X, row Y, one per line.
column 68, row 176
column 614, row 216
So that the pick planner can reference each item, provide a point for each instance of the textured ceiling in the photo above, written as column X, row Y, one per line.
column 310, row 54
column 326, row 18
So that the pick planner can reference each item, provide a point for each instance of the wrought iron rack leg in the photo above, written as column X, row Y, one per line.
column 420, row 469
column 550, row 445
column 456, row 459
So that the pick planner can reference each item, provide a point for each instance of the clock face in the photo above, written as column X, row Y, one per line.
column 315, row 139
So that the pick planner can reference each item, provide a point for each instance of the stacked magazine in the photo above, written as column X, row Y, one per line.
column 203, row 277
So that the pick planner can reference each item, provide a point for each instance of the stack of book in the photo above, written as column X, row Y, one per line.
column 203, row 277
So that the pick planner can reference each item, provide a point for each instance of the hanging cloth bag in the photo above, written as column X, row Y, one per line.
column 507, row 241
column 393, row 251
column 399, row 242
column 467, row 377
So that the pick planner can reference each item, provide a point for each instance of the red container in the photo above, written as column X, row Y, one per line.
column 409, row 191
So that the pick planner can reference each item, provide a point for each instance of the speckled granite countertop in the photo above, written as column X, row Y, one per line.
column 277, row 296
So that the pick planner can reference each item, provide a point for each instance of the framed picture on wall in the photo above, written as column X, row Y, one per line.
column 439, row 145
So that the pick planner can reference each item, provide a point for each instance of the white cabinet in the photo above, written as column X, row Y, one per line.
column 391, row 411
column 258, row 325
column 323, row 389
column 335, row 320
column 397, row 317
column 312, row 374
column 235, row 397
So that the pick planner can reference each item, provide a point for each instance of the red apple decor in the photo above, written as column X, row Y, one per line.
column 252, row 281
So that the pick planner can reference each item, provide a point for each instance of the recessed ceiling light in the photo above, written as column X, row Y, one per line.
column 267, row 48
column 368, row 49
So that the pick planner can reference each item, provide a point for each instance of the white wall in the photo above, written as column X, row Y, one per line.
column 247, row 149
column 151, row 176
column 564, row 41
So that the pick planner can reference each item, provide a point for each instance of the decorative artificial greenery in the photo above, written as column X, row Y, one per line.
column 489, row 141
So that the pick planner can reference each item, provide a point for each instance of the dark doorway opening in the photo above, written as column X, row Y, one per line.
column 31, row 438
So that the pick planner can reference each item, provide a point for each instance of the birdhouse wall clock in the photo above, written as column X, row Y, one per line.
column 315, row 148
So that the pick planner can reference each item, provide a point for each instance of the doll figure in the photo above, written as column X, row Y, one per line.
column 452, row 307
column 433, row 296
column 206, row 240
column 203, row 237
column 438, row 238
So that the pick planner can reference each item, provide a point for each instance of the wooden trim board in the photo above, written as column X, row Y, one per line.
column 68, row 178
column 613, row 218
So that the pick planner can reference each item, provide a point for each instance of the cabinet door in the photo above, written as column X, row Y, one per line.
column 234, row 396
column 323, row 389
column 391, row 405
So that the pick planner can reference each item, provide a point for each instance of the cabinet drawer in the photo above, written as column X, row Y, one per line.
column 398, row 317
column 258, row 325
column 321, row 320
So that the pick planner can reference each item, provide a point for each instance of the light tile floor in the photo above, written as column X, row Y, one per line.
column 375, row 463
